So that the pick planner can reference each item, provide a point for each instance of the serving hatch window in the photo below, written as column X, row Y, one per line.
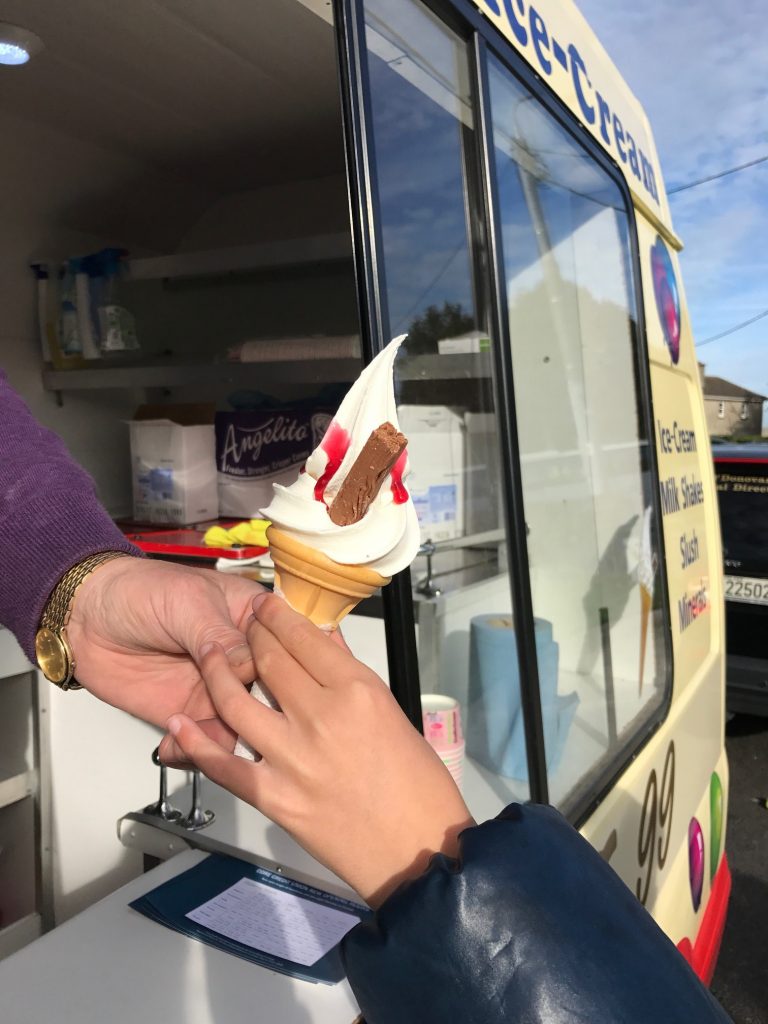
column 584, row 451
column 435, row 282
column 587, row 483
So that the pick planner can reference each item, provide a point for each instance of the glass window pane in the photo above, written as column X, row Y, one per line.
column 583, row 446
column 421, row 110
column 436, row 287
column 742, row 494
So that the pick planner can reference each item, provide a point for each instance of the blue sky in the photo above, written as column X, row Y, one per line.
column 700, row 70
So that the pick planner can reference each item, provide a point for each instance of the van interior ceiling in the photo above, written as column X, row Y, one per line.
column 164, row 127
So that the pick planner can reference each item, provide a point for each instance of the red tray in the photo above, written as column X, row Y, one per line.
column 186, row 542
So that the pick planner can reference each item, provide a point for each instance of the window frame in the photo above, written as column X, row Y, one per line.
column 483, row 40
column 582, row 805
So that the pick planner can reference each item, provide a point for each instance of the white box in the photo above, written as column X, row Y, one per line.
column 436, row 455
column 484, row 501
column 474, row 341
column 173, row 465
column 244, row 499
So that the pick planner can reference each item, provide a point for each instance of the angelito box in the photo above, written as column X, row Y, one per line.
column 255, row 449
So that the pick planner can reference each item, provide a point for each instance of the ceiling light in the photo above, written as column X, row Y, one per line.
column 17, row 45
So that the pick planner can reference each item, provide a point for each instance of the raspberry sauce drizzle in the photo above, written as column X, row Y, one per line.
column 335, row 444
column 399, row 493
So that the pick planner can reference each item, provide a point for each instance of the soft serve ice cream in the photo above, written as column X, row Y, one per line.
column 386, row 538
column 324, row 569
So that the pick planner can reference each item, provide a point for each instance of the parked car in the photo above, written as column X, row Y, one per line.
column 741, row 472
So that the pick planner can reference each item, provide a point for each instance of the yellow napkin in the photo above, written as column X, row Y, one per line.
column 251, row 533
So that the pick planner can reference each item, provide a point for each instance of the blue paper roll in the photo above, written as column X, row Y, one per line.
column 494, row 728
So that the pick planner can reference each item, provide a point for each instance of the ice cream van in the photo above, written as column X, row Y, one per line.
column 287, row 186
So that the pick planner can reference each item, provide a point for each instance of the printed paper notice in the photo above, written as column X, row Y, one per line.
column 274, row 921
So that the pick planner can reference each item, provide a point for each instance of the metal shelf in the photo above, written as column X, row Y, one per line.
column 469, row 366
column 168, row 375
column 292, row 252
column 18, row 787
column 314, row 371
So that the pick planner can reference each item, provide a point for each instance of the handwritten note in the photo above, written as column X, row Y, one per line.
column 274, row 921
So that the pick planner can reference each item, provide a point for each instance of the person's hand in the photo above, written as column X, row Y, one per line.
column 136, row 630
column 342, row 768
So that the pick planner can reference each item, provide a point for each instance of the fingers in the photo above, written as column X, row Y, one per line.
column 239, row 593
column 173, row 756
column 337, row 638
column 292, row 687
column 217, row 629
column 234, row 773
column 259, row 725
column 241, row 660
column 200, row 609
column 328, row 663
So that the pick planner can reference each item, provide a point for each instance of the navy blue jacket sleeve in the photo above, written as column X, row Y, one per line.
column 528, row 926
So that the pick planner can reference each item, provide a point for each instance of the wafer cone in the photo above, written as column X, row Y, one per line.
column 321, row 589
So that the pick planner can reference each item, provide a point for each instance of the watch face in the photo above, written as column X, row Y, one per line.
column 52, row 656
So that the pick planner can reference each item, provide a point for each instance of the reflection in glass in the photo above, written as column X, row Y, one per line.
column 435, row 278
column 592, row 541
column 420, row 91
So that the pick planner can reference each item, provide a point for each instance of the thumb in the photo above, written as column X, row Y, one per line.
column 205, row 620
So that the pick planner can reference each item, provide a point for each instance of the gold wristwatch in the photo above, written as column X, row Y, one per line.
column 54, row 655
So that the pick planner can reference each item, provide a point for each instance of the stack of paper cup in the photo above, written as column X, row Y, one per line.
column 441, row 716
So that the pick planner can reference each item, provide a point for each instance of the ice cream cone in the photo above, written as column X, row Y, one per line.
column 646, row 600
column 316, row 586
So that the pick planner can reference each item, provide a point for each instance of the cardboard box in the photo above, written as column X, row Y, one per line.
column 257, row 449
column 474, row 341
column 173, row 464
column 436, row 452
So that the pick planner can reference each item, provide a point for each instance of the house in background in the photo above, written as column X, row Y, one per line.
column 731, row 410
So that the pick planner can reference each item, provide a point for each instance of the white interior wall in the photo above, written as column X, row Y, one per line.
column 291, row 209
column 204, row 318
column 82, row 199
column 65, row 197
column 101, row 769
column 100, row 757
column 213, row 314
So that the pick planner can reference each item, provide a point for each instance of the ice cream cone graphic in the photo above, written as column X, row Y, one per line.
column 322, row 590
column 646, row 572
column 646, row 600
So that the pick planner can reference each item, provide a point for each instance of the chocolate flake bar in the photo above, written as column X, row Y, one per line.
column 366, row 475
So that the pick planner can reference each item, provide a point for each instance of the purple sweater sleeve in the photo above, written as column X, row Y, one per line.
column 50, row 517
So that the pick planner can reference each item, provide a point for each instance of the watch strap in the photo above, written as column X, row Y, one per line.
column 59, row 605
